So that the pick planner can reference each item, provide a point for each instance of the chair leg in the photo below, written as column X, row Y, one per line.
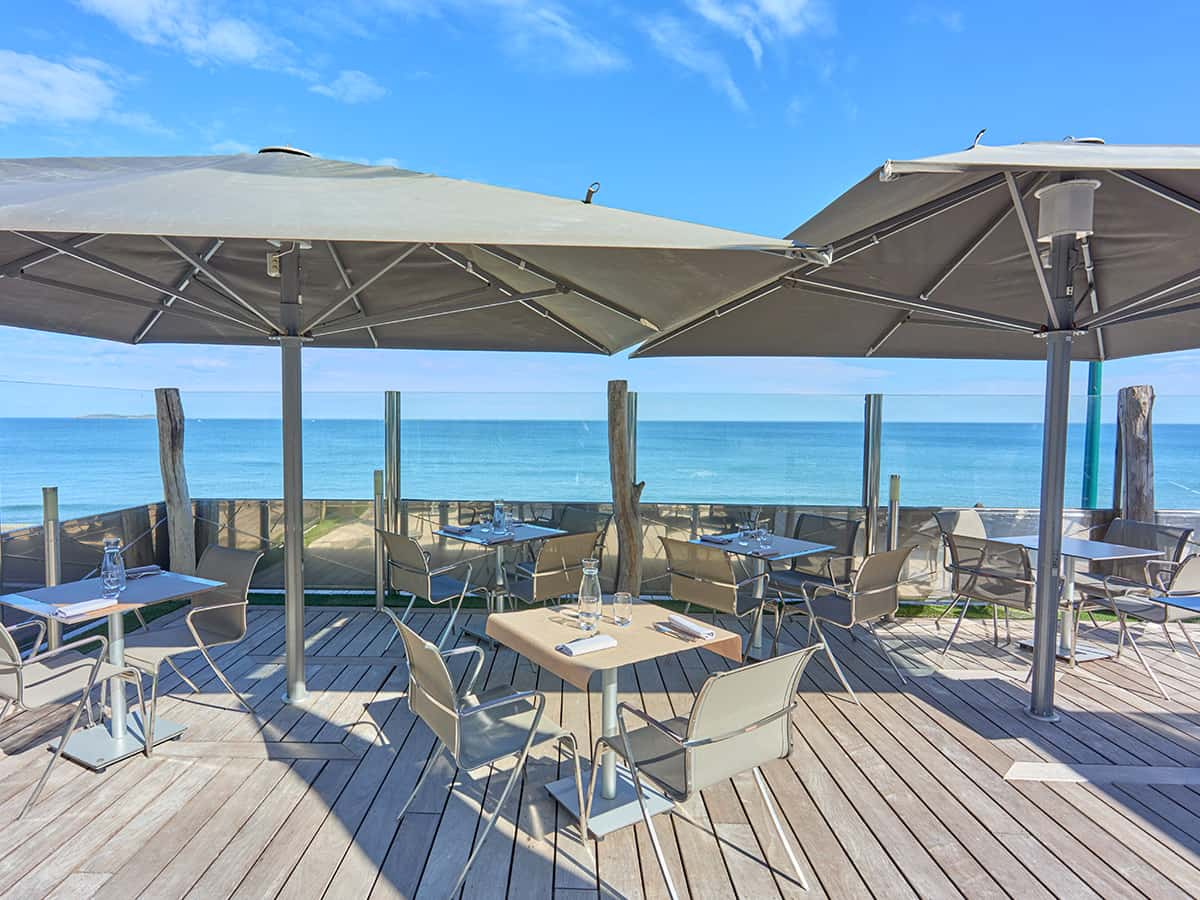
column 883, row 651
column 4, row 709
column 654, row 842
column 783, row 839
column 954, row 631
column 512, row 780
column 147, row 741
column 937, row 623
column 429, row 764
column 778, row 629
column 995, row 627
column 1167, row 632
column 1007, row 629
column 412, row 599
column 833, row 661
column 150, row 722
column 225, row 681
column 1187, row 637
column 1142, row 660
column 584, row 834
column 62, row 743
column 191, row 684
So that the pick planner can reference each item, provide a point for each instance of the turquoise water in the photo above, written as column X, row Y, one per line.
column 102, row 464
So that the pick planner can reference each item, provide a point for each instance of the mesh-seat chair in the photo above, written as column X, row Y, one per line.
column 478, row 730
column 575, row 520
column 967, row 523
column 871, row 594
column 705, row 576
column 410, row 573
column 831, row 567
column 54, row 677
column 216, row 618
column 741, row 719
column 993, row 572
column 1142, row 605
column 555, row 571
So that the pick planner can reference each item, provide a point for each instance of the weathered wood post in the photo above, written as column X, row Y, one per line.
column 181, row 525
column 626, row 493
column 1135, row 450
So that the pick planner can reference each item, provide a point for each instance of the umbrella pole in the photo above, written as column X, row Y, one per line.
column 293, row 477
column 1054, row 466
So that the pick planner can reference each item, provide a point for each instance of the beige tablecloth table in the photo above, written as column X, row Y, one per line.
column 534, row 633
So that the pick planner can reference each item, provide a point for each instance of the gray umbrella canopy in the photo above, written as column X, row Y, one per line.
column 931, row 259
column 1036, row 250
column 282, row 247
column 174, row 250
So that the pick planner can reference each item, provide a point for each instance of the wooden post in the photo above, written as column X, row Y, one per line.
column 1134, row 407
column 626, row 493
column 181, row 525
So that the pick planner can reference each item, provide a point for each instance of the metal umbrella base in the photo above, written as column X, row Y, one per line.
column 97, row 748
column 609, row 814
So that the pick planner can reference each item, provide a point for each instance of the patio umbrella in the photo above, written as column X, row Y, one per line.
column 280, row 247
column 1075, row 249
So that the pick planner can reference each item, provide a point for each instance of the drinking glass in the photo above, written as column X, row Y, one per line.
column 485, row 524
column 623, row 608
column 764, row 537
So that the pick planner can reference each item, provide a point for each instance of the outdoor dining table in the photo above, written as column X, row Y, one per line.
column 496, row 541
column 535, row 633
column 1074, row 549
column 99, row 746
column 778, row 548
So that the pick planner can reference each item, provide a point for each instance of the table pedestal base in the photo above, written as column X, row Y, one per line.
column 97, row 749
column 1084, row 651
column 609, row 815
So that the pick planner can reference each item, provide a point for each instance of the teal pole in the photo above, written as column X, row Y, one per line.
column 1091, row 444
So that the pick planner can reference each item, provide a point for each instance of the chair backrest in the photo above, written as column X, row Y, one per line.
column 1186, row 579
column 10, row 666
column 992, row 571
column 431, row 694
column 576, row 519
column 408, row 567
column 235, row 568
column 876, row 589
column 955, row 523
column 737, row 699
column 559, row 564
column 702, row 575
column 1170, row 541
column 841, row 534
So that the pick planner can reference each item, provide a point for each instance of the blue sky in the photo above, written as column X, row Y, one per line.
column 751, row 114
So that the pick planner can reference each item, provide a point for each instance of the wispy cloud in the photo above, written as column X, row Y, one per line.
column 760, row 22
column 678, row 43
column 75, row 91
column 351, row 86
column 950, row 19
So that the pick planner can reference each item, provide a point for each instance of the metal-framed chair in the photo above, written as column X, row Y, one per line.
column 835, row 566
column 706, row 576
column 871, row 594
column 993, row 572
column 215, row 618
column 54, row 677
column 478, row 730
column 410, row 573
column 967, row 523
column 1144, row 604
column 555, row 571
column 741, row 719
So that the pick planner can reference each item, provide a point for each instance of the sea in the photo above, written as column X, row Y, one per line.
column 100, row 464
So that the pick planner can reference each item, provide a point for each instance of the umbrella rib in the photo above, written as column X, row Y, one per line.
column 205, row 316
column 425, row 311
column 182, row 283
column 200, row 264
column 1117, row 313
column 354, row 292
column 30, row 260
column 1159, row 190
column 888, row 332
column 1089, row 267
column 345, row 276
column 1031, row 247
column 122, row 272
column 548, row 276
column 488, row 277
column 723, row 310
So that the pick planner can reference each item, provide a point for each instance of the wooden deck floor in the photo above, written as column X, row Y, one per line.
column 905, row 795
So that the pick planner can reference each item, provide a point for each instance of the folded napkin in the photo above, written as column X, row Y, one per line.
column 716, row 539
column 765, row 553
column 70, row 610
column 691, row 626
column 587, row 644
column 143, row 571
column 456, row 529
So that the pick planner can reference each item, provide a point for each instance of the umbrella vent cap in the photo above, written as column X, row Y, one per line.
column 1066, row 208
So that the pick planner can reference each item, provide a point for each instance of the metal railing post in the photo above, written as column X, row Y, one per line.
column 872, row 439
column 391, row 459
column 893, row 520
column 380, row 560
column 52, row 555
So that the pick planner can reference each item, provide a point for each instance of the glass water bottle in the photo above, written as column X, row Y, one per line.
column 112, row 569
column 590, row 598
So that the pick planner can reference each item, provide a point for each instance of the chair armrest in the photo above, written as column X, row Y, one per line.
column 745, row 729
column 450, row 567
column 74, row 645
column 623, row 708
column 753, row 578
column 199, row 610
column 818, row 588
column 829, row 561
column 538, row 698
column 480, row 657
column 979, row 572
column 39, row 624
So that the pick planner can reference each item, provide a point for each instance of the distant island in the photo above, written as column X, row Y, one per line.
column 113, row 416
